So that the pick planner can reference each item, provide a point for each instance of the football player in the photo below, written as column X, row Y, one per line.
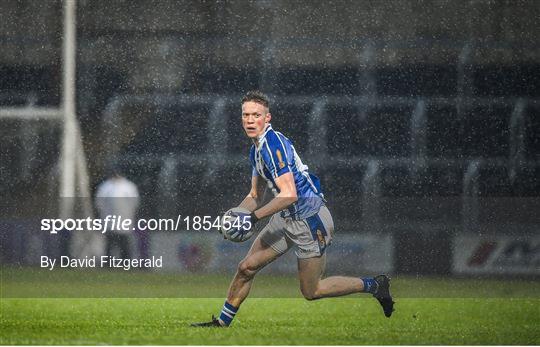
column 299, row 220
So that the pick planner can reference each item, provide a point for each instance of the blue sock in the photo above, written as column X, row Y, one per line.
column 370, row 285
column 227, row 313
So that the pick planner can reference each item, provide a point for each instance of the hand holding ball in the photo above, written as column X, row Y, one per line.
column 237, row 224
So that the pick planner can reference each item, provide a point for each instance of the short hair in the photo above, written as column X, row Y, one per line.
column 256, row 96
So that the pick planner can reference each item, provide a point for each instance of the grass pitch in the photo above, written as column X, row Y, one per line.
column 512, row 316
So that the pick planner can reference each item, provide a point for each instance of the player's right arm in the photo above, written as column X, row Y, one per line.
column 254, row 197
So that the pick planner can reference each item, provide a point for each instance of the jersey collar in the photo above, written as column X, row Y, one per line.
column 260, row 138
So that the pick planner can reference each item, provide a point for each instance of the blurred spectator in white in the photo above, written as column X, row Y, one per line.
column 118, row 197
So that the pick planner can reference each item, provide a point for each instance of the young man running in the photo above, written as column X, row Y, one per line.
column 299, row 220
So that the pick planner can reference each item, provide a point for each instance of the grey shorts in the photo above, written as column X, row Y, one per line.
column 309, row 236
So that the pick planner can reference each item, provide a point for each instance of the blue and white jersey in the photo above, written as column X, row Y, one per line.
column 274, row 156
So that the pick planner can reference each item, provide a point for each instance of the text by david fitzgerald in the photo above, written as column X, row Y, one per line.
column 101, row 262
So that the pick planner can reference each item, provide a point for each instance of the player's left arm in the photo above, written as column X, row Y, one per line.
column 286, row 197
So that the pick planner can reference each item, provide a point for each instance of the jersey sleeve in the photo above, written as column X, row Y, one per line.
column 274, row 154
column 254, row 172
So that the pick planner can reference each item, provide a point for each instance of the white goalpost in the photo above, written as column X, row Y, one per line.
column 74, row 180
column 73, row 160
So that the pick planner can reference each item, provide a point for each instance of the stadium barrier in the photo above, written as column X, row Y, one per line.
column 498, row 254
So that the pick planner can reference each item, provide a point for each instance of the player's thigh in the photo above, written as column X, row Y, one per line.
column 310, row 271
column 269, row 244
column 259, row 255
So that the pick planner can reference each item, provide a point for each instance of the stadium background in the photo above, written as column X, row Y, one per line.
column 422, row 120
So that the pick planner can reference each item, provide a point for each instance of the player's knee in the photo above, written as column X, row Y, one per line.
column 310, row 296
column 246, row 269
column 310, row 293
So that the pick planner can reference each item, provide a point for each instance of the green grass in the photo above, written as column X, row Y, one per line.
column 34, row 283
column 270, row 321
column 428, row 311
